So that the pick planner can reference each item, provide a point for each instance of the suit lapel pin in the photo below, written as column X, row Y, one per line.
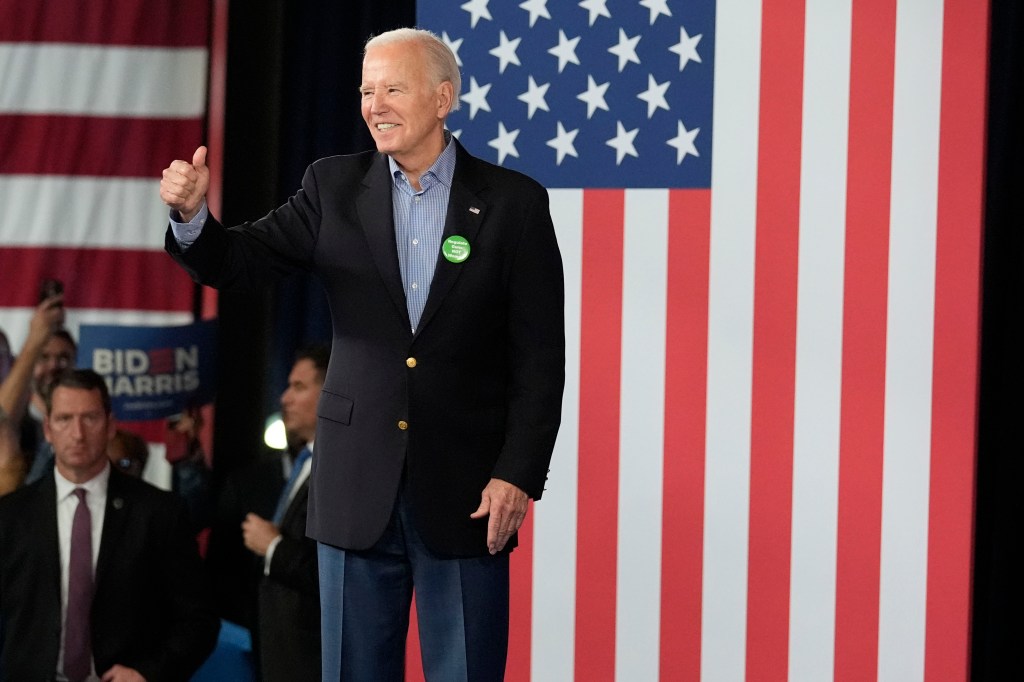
column 117, row 503
column 474, row 210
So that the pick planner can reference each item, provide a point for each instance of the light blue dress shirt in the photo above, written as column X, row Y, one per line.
column 419, row 223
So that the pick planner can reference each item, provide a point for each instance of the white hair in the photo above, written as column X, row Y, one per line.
column 440, row 60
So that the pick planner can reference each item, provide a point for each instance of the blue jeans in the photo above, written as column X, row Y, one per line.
column 461, row 606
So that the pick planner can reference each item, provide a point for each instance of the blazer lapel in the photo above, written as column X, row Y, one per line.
column 115, row 518
column 373, row 205
column 465, row 213
column 46, row 513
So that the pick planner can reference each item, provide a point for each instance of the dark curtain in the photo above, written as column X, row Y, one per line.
column 995, row 641
column 293, row 73
column 292, row 77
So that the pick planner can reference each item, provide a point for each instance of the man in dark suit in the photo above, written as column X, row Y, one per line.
column 99, row 574
column 443, row 396
column 289, row 594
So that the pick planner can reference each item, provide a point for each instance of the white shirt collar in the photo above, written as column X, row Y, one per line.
column 95, row 486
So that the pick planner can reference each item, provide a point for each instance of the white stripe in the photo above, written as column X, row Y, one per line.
column 15, row 321
column 819, row 340
column 554, row 532
column 52, row 78
column 60, row 211
column 730, row 340
column 641, row 435
column 908, row 385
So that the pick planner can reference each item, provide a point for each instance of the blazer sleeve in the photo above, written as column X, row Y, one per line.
column 294, row 564
column 536, row 345
column 255, row 254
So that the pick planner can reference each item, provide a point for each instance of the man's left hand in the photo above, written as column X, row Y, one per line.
column 506, row 505
column 121, row 673
column 258, row 533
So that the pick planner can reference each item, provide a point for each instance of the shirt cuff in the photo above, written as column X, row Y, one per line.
column 270, row 554
column 187, row 233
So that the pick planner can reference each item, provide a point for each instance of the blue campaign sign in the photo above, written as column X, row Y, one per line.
column 152, row 372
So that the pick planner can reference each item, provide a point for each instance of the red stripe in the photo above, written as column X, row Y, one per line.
column 686, row 358
column 94, row 146
column 215, row 127
column 864, row 339
column 600, row 362
column 413, row 662
column 955, row 373
column 521, row 605
column 182, row 23
column 216, row 105
column 774, row 339
column 96, row 278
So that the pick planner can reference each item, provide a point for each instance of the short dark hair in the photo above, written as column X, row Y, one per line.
column 84, row 379
column 135, row 449
column 319, row 355
column 66, row 335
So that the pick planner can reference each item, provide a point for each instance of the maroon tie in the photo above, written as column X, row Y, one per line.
column 77, row 640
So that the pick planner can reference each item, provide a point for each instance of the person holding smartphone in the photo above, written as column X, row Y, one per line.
column 48, row 348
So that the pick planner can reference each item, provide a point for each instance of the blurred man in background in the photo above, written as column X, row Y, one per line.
column 289, row 594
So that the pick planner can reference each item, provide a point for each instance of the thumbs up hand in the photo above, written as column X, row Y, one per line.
column 184, row 185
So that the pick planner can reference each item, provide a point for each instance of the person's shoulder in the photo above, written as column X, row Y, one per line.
column 342, row 163
column 13, row 503
column 495, row 175
column 139, row 490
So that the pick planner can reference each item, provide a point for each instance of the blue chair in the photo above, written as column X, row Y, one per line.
column 232, row 660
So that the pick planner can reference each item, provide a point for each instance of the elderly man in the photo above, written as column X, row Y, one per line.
column 443, row 397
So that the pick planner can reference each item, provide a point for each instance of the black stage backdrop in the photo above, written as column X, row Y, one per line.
column 293, row 73
column 995, row 642
column 293, row 70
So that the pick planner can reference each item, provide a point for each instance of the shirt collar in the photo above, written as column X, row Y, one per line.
column 97, row 485
column 442, row 170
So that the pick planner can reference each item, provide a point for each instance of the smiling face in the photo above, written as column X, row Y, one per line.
column 401, row 105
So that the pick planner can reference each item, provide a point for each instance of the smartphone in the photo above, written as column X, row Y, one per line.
column 50, row 287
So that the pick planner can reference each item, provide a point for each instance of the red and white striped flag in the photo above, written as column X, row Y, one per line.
column 95, row 99
column 770, row 216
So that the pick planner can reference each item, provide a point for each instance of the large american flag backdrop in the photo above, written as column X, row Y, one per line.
column 95, row 99
column 770, row 214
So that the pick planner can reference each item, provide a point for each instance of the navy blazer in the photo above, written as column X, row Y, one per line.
column 151, row 610
column 474, row 393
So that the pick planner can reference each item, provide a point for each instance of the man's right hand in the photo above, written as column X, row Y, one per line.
column 184, row 185
column 47, row 318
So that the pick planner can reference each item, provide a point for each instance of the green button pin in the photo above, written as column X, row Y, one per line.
column 455, row 249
